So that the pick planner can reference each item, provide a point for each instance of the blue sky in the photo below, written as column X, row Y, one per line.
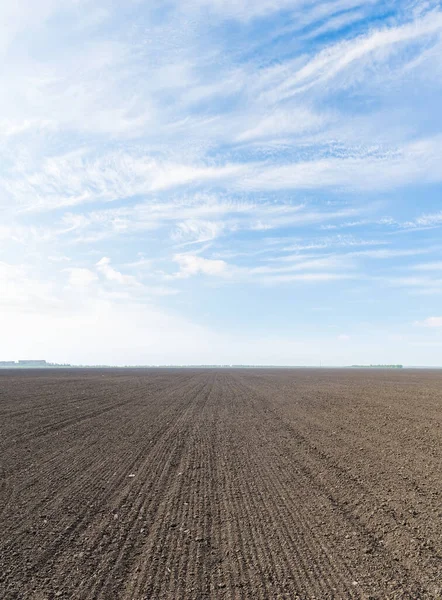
column 219, row 181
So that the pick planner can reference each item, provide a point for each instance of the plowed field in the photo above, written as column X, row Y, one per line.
column 193, row 484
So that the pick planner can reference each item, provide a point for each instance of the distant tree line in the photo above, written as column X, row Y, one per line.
column 378, row 366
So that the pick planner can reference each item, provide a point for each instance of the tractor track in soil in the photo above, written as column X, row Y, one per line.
column 233, row 484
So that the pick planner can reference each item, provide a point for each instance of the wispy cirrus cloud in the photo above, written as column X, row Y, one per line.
column 198, row 219
column 246, row 10
column 429, row 266
column 90, row 177
column 426, row 220
column 76, row 179
column 418, row 161
column 431, row 322
column 342, row 64
column 304, row 270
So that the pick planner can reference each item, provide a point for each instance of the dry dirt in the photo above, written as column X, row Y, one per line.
column 193, row 484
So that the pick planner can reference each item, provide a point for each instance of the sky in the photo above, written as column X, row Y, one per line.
column 221, row 182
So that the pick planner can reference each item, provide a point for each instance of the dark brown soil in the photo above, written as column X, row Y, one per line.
column 187, row 484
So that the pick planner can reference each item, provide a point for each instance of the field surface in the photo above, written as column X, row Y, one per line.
column 193, row 484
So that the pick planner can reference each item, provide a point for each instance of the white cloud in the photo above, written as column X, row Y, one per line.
column 303, row 12
column 303, row 263
column 335, row 23
column 431, row 322
column 194, row 265
column 428, row 220
column 304, row 269
column 77, row 178
column 22, row 15
column 337, row 241
column 240, row 9
column 305, row 277
column 197, row 218
column 197, row 231
column 415, row 162
column 80, row 277
column 104, row 267
column 430, row 266
column 386, row 253
column 415, row 284
column 59, row 258
column 298, row 119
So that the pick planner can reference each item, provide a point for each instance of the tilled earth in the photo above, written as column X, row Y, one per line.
column 193, row 484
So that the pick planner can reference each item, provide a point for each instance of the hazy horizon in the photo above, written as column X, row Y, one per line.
column 218, row 182
column 19, row 363
column 32, row 362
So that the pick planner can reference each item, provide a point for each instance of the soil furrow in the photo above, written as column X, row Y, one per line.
column 158, row 484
